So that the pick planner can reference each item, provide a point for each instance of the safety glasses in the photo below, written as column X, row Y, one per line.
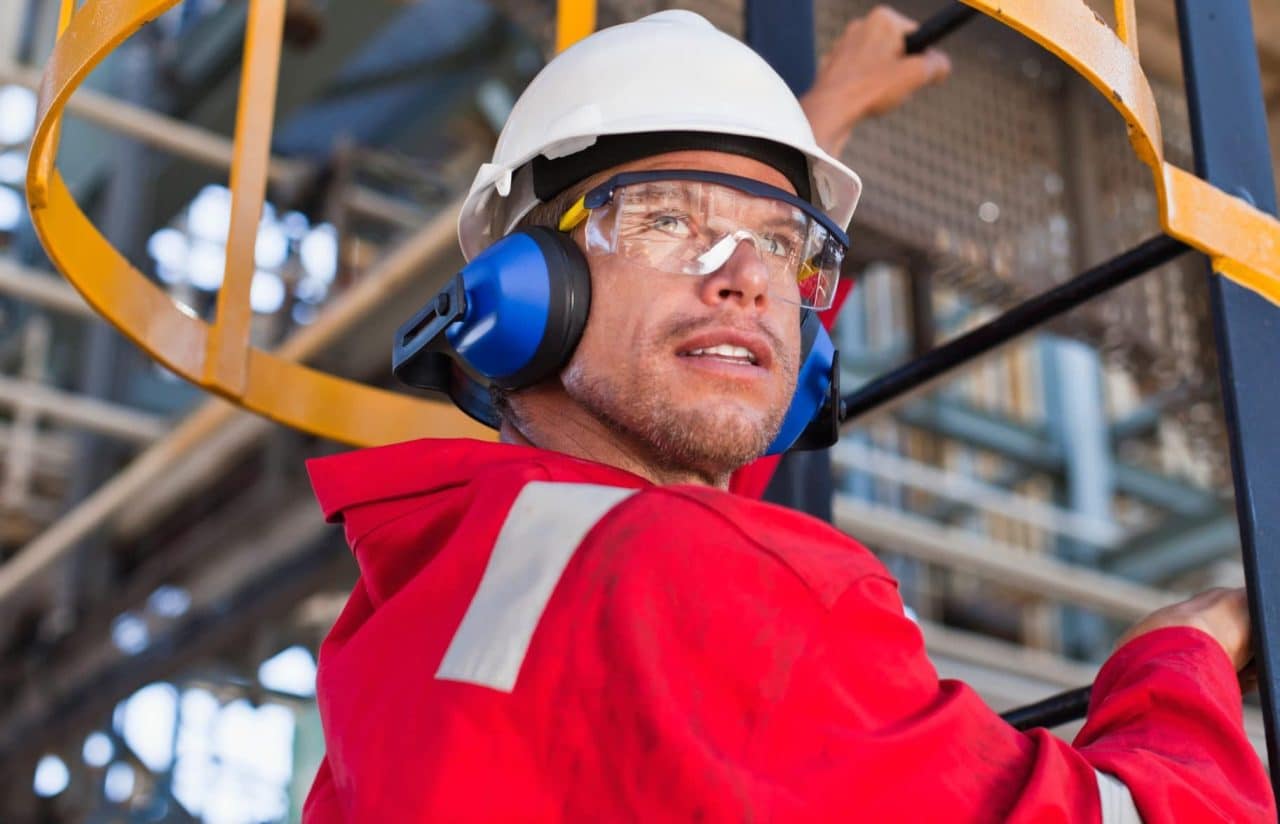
column 691, row 223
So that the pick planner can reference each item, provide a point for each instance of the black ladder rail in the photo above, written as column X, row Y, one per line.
column 1232, row 151
column 1021, row 318
column 939, row 26
column 1052, row 711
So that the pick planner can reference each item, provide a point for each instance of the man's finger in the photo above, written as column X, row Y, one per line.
column 897, row 19
column 939, row 64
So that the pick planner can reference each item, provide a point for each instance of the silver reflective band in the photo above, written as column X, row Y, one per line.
column 537, row 540
column 1117, row 801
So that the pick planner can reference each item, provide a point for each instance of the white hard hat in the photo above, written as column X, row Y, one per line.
column 668, row 72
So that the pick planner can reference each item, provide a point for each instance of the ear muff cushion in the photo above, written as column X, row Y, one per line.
column 812, row 383
column 528, row 297
column 568, row 305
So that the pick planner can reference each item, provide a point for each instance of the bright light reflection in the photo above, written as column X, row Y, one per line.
column 295, row 225
column 168, row 247
column 169, row 275
column 234, row 762
column 17, row 114
column 319, row 252
column 266, row 292
column 292, row 670
column 52, row 776
column 117, row 786
column 272, row 246
column 97, row 749
column 169, row 601
column 147, row 724
column 206, row 264
column 312, row 290
column 209, row 215
column 10, row 209
column 303, row 313
column 130, row 633
column 13, row 167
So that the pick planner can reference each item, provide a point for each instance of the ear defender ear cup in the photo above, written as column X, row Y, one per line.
column 513, row 317
column 813, row 419
column 528, row 297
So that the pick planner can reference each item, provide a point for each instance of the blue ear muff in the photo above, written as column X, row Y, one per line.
column 813, row 419
column 512, row 317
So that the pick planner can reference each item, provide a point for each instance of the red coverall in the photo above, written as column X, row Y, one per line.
column 539, row 638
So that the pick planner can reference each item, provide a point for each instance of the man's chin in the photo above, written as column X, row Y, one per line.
column 715, row 439
column 709, row 434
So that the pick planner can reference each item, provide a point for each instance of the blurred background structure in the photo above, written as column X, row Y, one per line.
column 162, row 668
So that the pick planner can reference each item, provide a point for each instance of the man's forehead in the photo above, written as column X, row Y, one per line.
column 697, row 196
column 706, row 161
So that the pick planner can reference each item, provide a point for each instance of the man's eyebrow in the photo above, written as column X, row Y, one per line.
column 780, row 222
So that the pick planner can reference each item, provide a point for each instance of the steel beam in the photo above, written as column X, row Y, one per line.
column 954, row 486
column 151, row 474
column 1029, row 446
column 158, row 130
column 913, row 536
column 1180, row 547
column 1232, row 149
column 46, row 290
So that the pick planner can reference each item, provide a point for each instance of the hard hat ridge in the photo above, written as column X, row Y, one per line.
column 553, row 176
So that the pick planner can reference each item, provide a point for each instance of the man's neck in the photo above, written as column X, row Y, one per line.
column 576, row 432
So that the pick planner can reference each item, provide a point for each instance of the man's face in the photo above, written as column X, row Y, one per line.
column 643, row 368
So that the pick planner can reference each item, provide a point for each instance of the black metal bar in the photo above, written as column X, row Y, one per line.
column 783, row 33
column 1229, row 133
column 1052, row 711
column 1023, row 317
column 939, row 26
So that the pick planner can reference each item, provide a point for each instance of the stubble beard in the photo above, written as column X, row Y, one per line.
column 706, row 441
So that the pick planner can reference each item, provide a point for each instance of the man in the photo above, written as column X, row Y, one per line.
column 581, row 624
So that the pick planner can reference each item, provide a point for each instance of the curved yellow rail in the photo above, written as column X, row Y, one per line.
column 217, row 356
column 1244, row 243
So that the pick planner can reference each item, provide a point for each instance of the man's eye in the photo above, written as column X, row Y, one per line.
column 777, row 245
column 670, row 224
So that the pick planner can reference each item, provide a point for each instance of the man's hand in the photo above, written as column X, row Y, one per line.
column 1222, row 613
column 868, row 73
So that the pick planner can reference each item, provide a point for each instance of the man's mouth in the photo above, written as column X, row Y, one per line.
column 724, row 352
column 725, row 347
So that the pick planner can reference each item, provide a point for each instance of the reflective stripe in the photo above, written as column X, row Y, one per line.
column 1117, row 801
column 542, row 530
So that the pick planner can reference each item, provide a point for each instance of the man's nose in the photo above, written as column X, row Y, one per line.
column 743, row 278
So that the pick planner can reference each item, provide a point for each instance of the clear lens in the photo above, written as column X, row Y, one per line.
column 693, row 228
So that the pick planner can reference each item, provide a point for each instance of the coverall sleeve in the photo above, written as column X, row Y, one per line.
column 1166, row 719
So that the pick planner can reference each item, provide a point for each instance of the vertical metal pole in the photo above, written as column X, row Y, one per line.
column 782, row 32
column 1076, row 411
column 1229, row 131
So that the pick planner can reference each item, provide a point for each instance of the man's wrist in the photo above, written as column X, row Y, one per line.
column 832, row 119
